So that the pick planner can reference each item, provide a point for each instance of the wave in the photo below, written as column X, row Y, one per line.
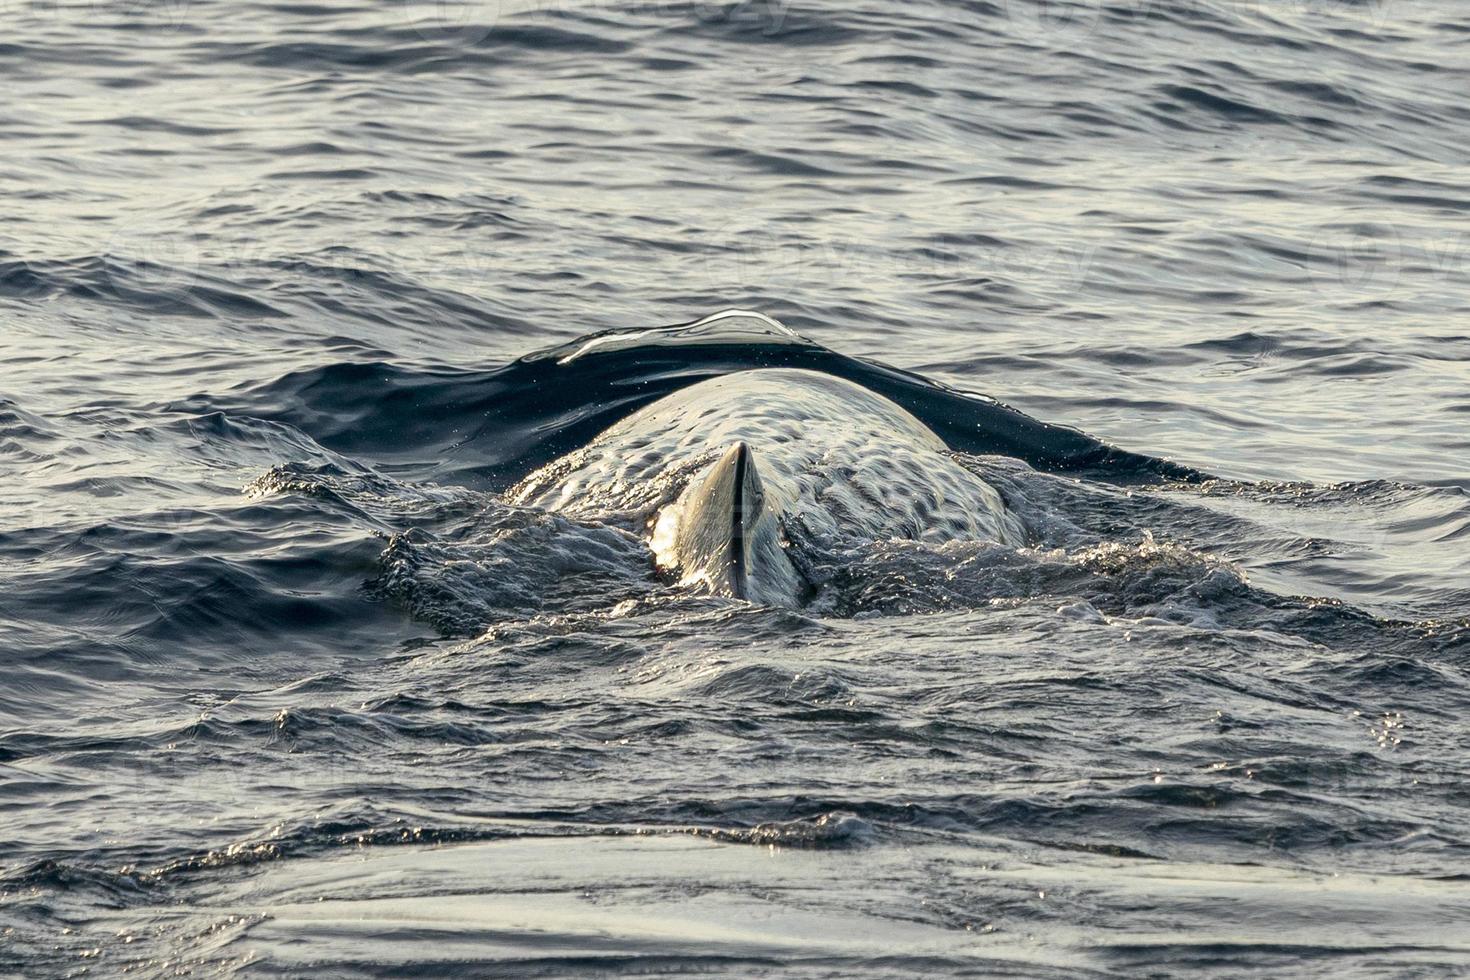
column 487, row 429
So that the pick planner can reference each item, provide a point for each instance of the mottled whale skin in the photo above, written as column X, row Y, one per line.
column 716, row 474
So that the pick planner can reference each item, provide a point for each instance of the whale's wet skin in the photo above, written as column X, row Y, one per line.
column 710, row 649
column 726, row 472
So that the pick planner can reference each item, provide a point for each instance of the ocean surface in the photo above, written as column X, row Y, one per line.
column 291, row 292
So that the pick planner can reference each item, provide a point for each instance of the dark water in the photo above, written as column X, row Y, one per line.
column 288, row 690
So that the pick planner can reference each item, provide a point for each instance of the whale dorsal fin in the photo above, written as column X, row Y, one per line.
column 725, row 531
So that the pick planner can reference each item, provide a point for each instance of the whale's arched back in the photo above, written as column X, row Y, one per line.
column 720, row 475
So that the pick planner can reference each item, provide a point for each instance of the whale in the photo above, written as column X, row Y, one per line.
column 723, row 476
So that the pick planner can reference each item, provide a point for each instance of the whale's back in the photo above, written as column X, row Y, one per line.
column 835, row 456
